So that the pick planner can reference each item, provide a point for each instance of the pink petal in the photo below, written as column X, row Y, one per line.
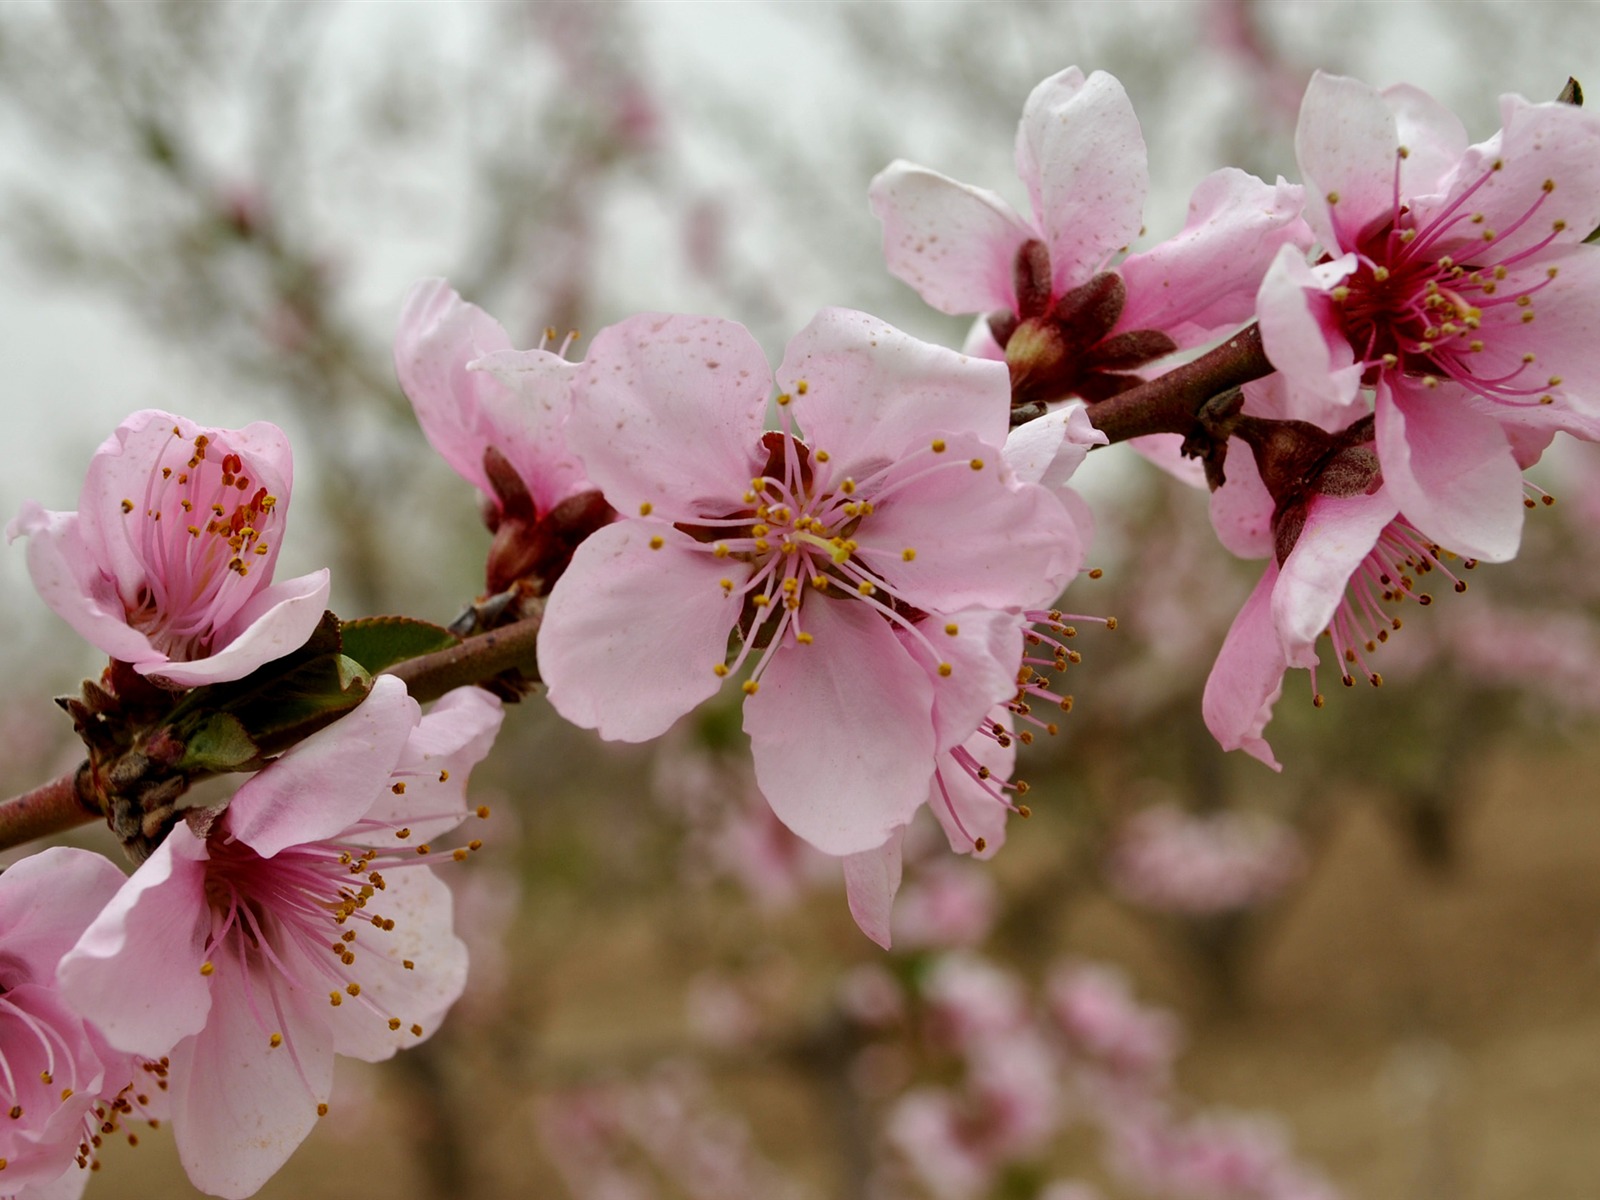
column 873, row 394
column 420, row 905
column 240, row 1106
column 1241, row 509
column 326, row 783
column 1564, row 335
column 47, row 900
column 135, row 972
column 525, row 419
column 1450, row 469
column 871, row 879
column 669, row 412
column 631, row 634
column 1165, row 450
column 955, row 245
column 980, row 540
column 453, row 736
column 277, row 621
column 68, row 580
column 983, row 655
column 1205, row 279
column 1301, row 332
column 842, row 731
column 1082, row 156
column 1247, row 678
column 438, row 336
column 1049, row 449
column 1340, row 531
column 1347, row 145
column 1538, row 142
column 1434, row 138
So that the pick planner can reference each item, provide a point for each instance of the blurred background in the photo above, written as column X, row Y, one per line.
column 1376, row 975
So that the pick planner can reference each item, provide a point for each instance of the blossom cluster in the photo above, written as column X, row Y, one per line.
column 870, row 541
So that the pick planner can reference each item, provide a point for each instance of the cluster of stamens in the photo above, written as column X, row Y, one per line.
column 1409, row 308
column 209, row 523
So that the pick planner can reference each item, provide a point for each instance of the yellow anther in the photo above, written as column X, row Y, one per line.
column 207, row 968
column 1549, row 185
column 275, row 1040
column 801, row 386
column 394, row 1023
column 952, row 629
column 783, row 399
column 726, row 585
column 657, row 542
column 944, row 670
column 751, row 687
column 1403, row 152
column 976, row 464
column 761, row 601
column 848, row 487
column 402, row 834
column 416, row 1031
column 1340, row 294
column 335, row 999
column 865, row 587
column 483, row 812
column 908, row 554
column 322, row 1110
column 938, row 445
column 820, row 582
column 720, row 550
column 1095, row 573
column 353, row 988
column 1380, row 274
column 646, row 509
column 821, row 456
column 1333, row 197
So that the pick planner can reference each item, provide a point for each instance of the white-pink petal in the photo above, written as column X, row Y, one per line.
column 873, row 395
column 1348, row 148
column 278, row 620
column 631, row 634
column 954, row 244
column 1082, row 156
column 871, row 879
column 1339, row 533
column 841, row 731
column 669, row 411
column 1247, row 678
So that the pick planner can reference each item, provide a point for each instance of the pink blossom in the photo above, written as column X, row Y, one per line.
column 301, row 924
column 1173, row 861
column 1446, row 262
column 948, row 907
column 1066, row 319
column 815, row 555
column 498, row 417
column 167, row 564
column 59, row 1080
column 1343, row 561
column 1104, row 1024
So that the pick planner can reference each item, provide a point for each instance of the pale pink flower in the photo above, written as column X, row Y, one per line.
column 1106, row 1027
column 57, row 1075
column 1170, row 860
column 815, row 555
column 1064, row 313
column 167, row 564
column 301, row 924
column 498, row 416
column 947, row 907
column 971, row 1001
column 1446, row 263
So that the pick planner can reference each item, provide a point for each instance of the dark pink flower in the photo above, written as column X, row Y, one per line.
column 303, row 923
column 167, row 564
column 1444, row 264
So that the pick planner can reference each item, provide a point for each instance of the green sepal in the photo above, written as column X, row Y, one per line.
column 221, row 744
column 377, row 643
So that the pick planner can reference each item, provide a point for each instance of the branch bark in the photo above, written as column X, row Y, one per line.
column 1169, row 403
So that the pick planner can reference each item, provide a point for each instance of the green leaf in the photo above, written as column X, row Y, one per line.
column 221, row 744
column 377, row 643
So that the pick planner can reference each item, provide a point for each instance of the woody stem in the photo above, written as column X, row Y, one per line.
column 1171, row 402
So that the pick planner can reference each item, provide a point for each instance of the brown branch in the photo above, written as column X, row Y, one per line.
column 473, row 661
column 50, row 808
column 1170, row 403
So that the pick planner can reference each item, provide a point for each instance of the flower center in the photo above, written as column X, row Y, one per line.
column 203, row 524
column 1410, row 307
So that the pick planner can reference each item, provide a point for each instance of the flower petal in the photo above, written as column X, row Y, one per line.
column 1205, row 279
column 964, row 807
column 135, row 972
column 240, row 1106
column 1300, row 330
column 1241, row 509
column 872, row 394
column 871, row 879
column 525, row 419
column 668, row 411
column 842, row 731
column 1049, row 449
column 1247, row 678
column 982, row 654
column 1434, row 138
column 454, row 736
column 47, row 900
column 1347, row 145
column 975, row 537
column 1082, row 156
column 955, row 245
column 1339, row 533
column 278, row 620
column 1450, row 469
column 631, row 634
column 326, row 783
